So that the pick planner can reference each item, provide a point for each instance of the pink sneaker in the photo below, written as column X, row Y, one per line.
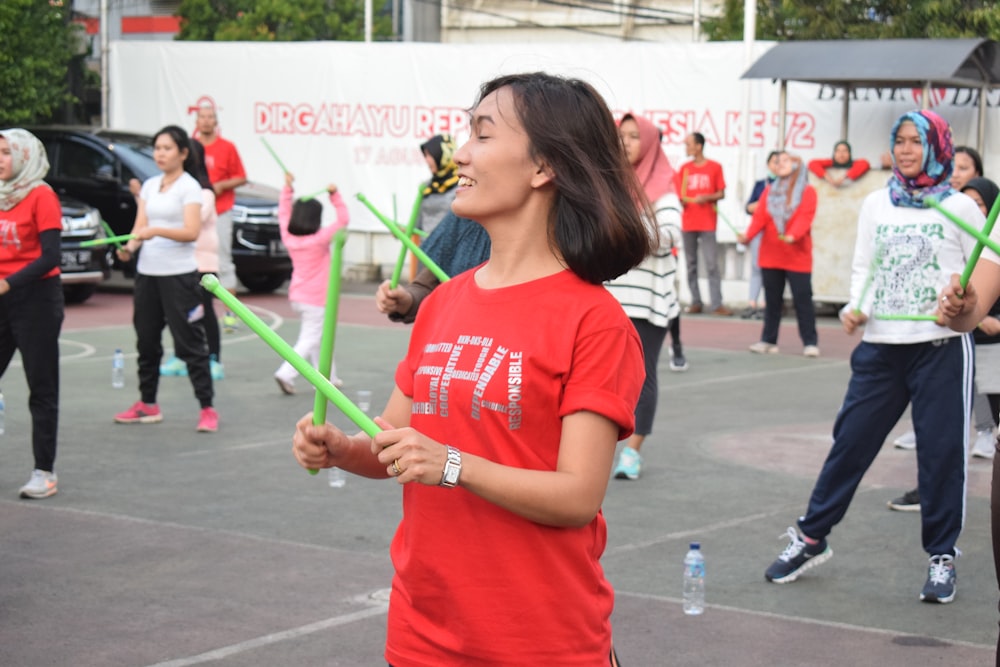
column 140, row 413
column 208, row 422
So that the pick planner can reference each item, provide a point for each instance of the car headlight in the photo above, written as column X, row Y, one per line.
column 86, row 222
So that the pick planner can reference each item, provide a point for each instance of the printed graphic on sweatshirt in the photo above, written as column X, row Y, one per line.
column 491, row 372
column 909, row 273
column 8, row 234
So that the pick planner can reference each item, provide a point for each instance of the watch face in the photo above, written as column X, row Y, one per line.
column 451, row 474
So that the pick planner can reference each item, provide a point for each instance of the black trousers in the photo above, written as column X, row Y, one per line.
column 31, row 318
column 174, row 302
column 211, row 323
column 651, row 337
column 802, row 299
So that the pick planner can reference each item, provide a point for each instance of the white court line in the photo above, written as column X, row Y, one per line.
column 271, row 318
column 39, row 507
column 236, row 448
column 277, row 637
column 809, row 621
column 756, row 375
column 694, row 532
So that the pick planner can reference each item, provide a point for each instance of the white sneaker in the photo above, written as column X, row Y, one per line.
column 810, row 351
column 41, row 485
column 985, row 445
column 906, row 441
column 760, row 347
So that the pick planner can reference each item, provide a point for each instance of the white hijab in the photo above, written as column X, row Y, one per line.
column 29, row 166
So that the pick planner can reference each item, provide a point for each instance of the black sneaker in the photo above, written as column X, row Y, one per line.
column 678, row 364
column 940, row 586
column 908, row 502
column 797, row 558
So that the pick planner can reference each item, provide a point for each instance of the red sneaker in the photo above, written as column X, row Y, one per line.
column 208, row 422
column 140, row 413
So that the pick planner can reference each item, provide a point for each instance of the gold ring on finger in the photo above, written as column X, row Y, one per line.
column 395, row 468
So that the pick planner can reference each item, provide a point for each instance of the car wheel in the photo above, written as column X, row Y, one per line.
column 78, row 293
column 262, row 282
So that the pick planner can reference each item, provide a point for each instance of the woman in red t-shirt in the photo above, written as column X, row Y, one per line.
column 31, row 298
column 521, row 376
column 784, row 219
column 851, row 169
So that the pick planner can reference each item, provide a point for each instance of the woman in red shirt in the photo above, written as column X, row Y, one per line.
column 31, row 298
column 784, row 218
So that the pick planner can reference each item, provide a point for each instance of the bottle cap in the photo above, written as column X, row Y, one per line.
column 695, row 545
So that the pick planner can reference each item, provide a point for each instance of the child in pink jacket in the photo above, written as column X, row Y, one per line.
column 308, row 245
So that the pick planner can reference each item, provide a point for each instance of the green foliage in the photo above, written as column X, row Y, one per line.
column 34, row 54
column 278, row 20
column 783, row 20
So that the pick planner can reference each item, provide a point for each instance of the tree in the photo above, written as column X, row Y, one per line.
column 783, row 20
column 278, row 20
column 34, row 54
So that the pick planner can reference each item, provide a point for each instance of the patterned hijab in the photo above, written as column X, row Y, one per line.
column 29, row 166
column 441, row 148
column 653, row 169
column 785, row 194
column 939, row 154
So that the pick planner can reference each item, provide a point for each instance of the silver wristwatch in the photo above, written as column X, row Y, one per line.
column 452, row 468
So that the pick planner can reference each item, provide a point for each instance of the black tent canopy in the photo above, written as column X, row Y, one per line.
column 883, row 63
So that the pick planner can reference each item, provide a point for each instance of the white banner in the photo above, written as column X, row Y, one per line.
column 355, row 114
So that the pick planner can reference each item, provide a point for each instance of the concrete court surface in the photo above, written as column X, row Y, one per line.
column 166, row 547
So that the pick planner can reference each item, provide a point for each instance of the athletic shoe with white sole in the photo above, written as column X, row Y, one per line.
column 908, row 502
column 985, row 445
column 41, row 485
column 906, row 441
column 940, row 586
column 797, row 558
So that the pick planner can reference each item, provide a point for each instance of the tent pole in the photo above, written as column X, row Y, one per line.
column 925, row 96
column 981, row 129
column 844, row 111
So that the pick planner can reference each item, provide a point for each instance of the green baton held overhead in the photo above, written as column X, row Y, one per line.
column 274, row 155
column 408, row 242
column 286, row 352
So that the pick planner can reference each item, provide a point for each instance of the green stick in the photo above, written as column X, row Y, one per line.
column 110, row 232
column 408, row 242
column 421, row 233
column 909, row 318
column 410, row 226
column 872, row 269
column 286, row 352
column 329, row 325
column 978, row 250
column 106, row 241
column 725, row 219
column 967, row 228
column 314, row 195
column 274, row 155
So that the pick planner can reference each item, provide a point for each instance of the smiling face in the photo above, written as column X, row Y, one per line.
column 629, row 133
column 6, row 161
column 963, row 171
column 496, row 171
column 908, row 150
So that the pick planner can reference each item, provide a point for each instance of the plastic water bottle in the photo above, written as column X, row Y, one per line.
column 338, row 478
column 3, row 413
column 694, row 580
column 118, row 369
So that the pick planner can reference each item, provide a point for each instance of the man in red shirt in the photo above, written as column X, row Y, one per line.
column 701, row 185
column 226, row 172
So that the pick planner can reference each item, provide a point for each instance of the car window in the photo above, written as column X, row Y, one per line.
column 79, row 161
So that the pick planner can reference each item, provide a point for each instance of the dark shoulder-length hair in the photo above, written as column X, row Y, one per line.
column 602, row 223
column 196, row 165
column 179, row 137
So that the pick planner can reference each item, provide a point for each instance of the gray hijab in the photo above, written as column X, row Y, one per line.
column 29, row 166
column 785, row 195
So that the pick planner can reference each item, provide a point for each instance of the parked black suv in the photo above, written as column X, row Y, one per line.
column 82, row 269
column 95, row 166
